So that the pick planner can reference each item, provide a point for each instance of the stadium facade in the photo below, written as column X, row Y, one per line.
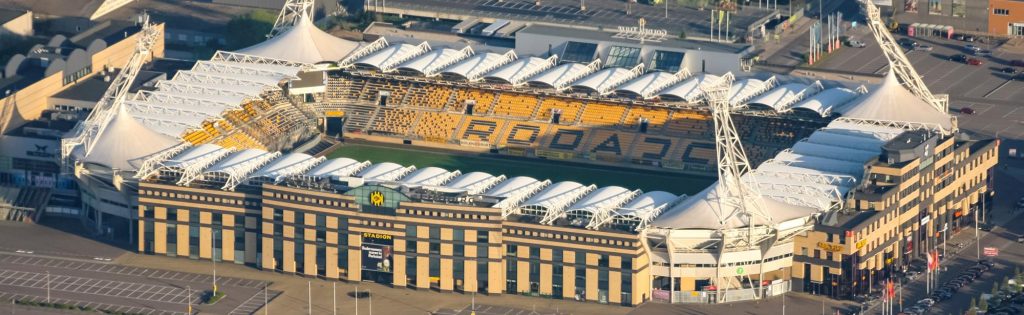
column 859, row 187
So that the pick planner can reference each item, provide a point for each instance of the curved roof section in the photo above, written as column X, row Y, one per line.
column 893, row 102
column 473, row 183
column 386, row 171
column 422, row 62
column 510, row 186
column 744, row 89
column 834, row 151
column 339, row 167
column 599, row 81
column 378, row 59
column 823, row 103
column 195, row 155
column 303, row 43
column 125, row 142
column 775, row 97
column 604, row 198
column 286, row 165
column 703, row 211
column 516, row 71
column 559, row 74
column 648, row 84
column 470, row 67
column 689, row 90
column 555, row 197
column 429, row 176
column 237, row 160
column 648, row 201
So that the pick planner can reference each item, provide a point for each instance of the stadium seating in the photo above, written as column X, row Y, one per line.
column 240, row 141
column 570, row 109
column 481, row 129
column 395, row 121
column 603, row 114
column 484, row 99
column 604, row 141
column 523, row 134
column 203, row 135
column 437, row 126
column 652, row 148
column 656, row 116
column 375, row 86
column 515, row 105
column 689, row 123
column 428, row 96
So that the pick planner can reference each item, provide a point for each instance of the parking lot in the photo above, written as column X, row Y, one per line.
column 109, row 286
column 992, row 95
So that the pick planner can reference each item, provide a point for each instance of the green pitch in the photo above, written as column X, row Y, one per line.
column 539, row 169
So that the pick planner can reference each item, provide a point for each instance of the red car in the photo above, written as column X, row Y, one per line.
column 974, row 61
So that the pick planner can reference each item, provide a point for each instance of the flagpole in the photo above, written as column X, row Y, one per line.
column 357, row 299
column 334, row 298
column 309, row 296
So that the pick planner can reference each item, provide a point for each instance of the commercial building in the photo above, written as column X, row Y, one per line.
column 1006, row 17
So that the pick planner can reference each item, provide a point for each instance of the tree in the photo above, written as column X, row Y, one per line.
column 983, row 305
column 246, row 30
column 973, row 310
column 995, row 288
column 1006, row 282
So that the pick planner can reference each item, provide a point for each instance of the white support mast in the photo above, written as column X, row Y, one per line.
column 85, row 133
column 736, row 199
column 290, row 14
column 898, row 61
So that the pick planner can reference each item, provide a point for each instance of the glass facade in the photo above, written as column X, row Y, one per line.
column 621, row 56
column 579, row 52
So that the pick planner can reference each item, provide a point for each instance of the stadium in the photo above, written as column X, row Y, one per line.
column 820, row 184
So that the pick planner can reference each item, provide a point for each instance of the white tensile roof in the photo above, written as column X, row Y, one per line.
column 429, row 176
column 647, row 84
column 303, row 43
column 510, row 186
column 775, row 97
column 689, row 90
column 196, row 154
column 423, row 62
column 515, row 71
column 892, row 102
column 558, row 75
column 601, row 80
column 286, row 165
column 124, row 142
column 474, row 183
column 744, row 89
column 469, row 67
column 379, row 58
column 814, row 175
column 384, row 172
column 823, row 103
column 337, row 168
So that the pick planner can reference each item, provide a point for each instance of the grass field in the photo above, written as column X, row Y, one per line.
column 555, row 171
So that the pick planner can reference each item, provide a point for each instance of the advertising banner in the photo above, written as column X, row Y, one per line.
column 377, row 252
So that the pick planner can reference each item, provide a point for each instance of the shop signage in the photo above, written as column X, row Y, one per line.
column 861, row 243
column 925, row 219
column 829, row 247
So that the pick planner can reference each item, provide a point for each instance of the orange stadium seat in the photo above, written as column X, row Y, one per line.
column 481, row 129
column 684, row 122
column 656, row 116
column 570, row 109
column 515, row 105
column 483, row 100
column 394, row 121
column 521, row 133
column 602, row 114
column 429, row 96
column 437, row 127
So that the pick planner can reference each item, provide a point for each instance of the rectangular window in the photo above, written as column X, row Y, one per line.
column 935, row 7
column 435, row 248
column 669, row 61
column 410, row 270
column 481, row 275
column 193, row 216
column 581, row 282
column 460, row 250
column 998, row 11
column 217, row 219
column 300, row 219
column 459, row 235
column 193, row 240
column 172, row 239
column 959, row 8
column 410, row 231
column 278, row 214
column 239, row 240
column 482, row 237
column 910, row 6
column 622, row 56
column 435, row 233
column 579, row 52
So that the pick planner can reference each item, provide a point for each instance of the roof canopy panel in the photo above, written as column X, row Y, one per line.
column 303, row 43
column 689, row 90
column 893, row 102
column 823, row 103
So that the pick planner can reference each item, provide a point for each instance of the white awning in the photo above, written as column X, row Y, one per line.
column 689, row 90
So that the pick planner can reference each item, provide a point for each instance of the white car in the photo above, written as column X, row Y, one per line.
column 924, row 48
column 855, row 43
column 972, row 48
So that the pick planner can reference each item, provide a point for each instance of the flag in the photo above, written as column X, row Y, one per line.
column 891, row 290
column 721, row 16
column 930, row 262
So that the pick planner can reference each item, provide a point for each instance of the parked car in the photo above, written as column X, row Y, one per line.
column 1020, row 238
column 967, row 111
column 906, row 42
column 1008, row 70
column 1017, row 63
column 924, row 48
column 982, row 53
column 971, row 48
column 969, row 38
column 853, row 42
column 987, row 263
column 975, row 61
column 958, row 58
